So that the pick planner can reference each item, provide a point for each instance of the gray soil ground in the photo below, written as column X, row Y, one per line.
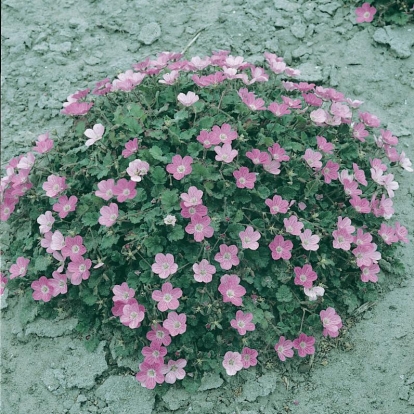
column 51, row 48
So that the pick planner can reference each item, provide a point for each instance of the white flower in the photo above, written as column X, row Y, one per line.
column 314, row 292
column 170, row 220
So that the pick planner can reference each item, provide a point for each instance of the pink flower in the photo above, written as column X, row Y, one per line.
column 43, row 144
column 154, row 354
column 331, row 322
column 284, row 348
column 167, row 297
column 3, row 283
column 73, row 248
column 124, row 190
column 258, row 157
column 249, row 357
column 207, row 139
column 231, row 290
column 200, row 64
column 279, row 109
column 388, row 234
column 58, row 284
column 281, row 248
column 341, row 110
column 366, row 254
column 225, row 153
column 6, row 209
column 359, row 132
column 369, row 273
column 199, row 226
column 258, row 75
column 249, row 238
column 193, row 197
column 319, row 116
column 405, row 162
column 244, row 178
column 180, row 167
column 292, row 225
column 46, row 222
column 312, row 99
column 401, row 232
column 227, row 257
column 351, row 187
column 365, row 13
column 346, row 224
column 188, row 212
column 188, row 99
column 174, row 370
column 330, row 171
column 159, row 335
column 131, row 147
column 122, row 293
column 102, row 87
column 250, row 100
column 324, row 145
column 109, row 214
column 369, row 119
column 313, row 158
column 278, row 153
column 342, row 239
column 132, row 315
column 232, row 362
column 58, row 241
column 313, row 292
column 359, row 174
column 304, row 345
column 362, row 238
column 127, row 81
column 77, row 108
column 305, row 276
column 150, row 375
column 272, row 167
column 243, row 322
column 277, row 205
column 292, row 103
column 65, row 205
column 42, row 290
column 223, row 134
column 19, row 269
column 309, row 241
column 137, row 169
column 175, row 323
column 170, row 78
column 94, row 134
column 164, row 265
column 106, row 189
column 54, row 185
column 79, row 270
column 203, row 271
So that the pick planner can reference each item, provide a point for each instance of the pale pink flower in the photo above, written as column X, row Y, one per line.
column 249, row 238
column 234, row 61
column 277, row 205
column 105, row 189
column 193, row 197
column 331, row 322
column 132, row 315
column 324, row 145
column 19, row 269
column 309, row 241
column 243, row 322
column 342, row 239
column 207, row 139
column 346, row 224
column 175, row 323
column 200, row 227
column 65, row 205
column 258, row 75
column 365, row 13
column 6, row 209
column 46, row 222
column 319, row 116
column 362, row 238
column 170, row 220
column 26, row 162
column 174, row 370
column 351, row 188
column 278, row 153
column 313, row 292
column 330, row 171
column 359, row 174
column 54, row 185
column 305, row 276
column 137, row 169
column 405, row 162
column 292, row 225
column 199, row 63
column 232, row 363
column 127, row 81
column 284, row 348
column 102, row 87
column 312, row 99
column 180, row 167
column 354, row 103
column 231, row 290
column 159, row 335
column 281, row 248
column 79, row 270
column 279, row 109
column 369, row 273
column 73, row 248
column 77, row 108
column 366, row 254
column 369, row 119
column 3, row 283
column 227, row 257
column 277, row 66
column 292, row 72
column 122, row 293
column 341, row 110
column 225, row 153
column 94, row 134
column 57, row 241
column 203, row 271
column 124, row 190
column 359, row 132
column 150, row 375
column 58, row 284
column 388, row 234
column 188, row 212
column 188, row 99
column 43, row 144
column 164, row 265
column 42, row 290
column 313, row 158
column 167, row 297
column 258, row 157
column 154, row 354
column 401, row 232
column 249, row 357
column 244, row 178
column 272, row 167
column 170, row 78
column 131, row 147
column 250, row 100
column 109, row 214
column 389, row 184
column 304, row 345
column 292, row 103
column 223, row 134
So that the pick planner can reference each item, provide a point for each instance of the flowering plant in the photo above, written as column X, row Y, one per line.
column 389, row 12
column 207, row 212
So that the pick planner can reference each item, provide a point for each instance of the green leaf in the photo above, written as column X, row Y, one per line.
column 41, row 263
column 156, row 153
column 108, row 241
column 133, row 125
column 88, row 297
column 158, row 175
column 136, row 111
column 181, row 115
column 170, row 200
column 238, row 216
column 90, row 218
column 194, row 149
column 176, row 234
column 91, row 344
column 312, row 188
column 263, row 192
column 284, row 294
column 206, row 123
column 141, row 194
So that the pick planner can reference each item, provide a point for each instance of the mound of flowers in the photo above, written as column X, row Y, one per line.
column 205, row 215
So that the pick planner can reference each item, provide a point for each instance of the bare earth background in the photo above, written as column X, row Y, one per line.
column 51, row 48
